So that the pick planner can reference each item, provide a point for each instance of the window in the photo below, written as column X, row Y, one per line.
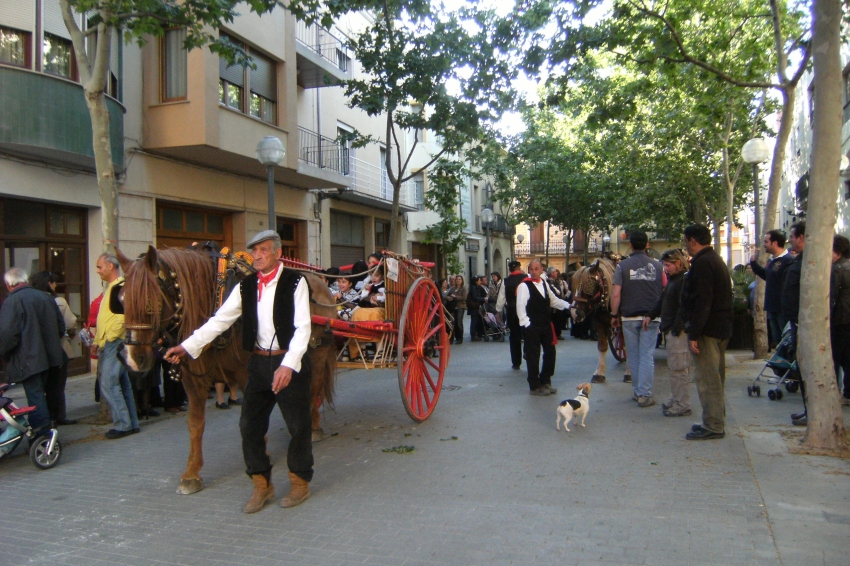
column 58, row 57
column 846, row 80
column 262, row 81
column 174, row 63
column 419, row 191
column 14, row 47
column 178, row 226
column 382, row 235
column 812, row 103
column 846, row 190
column 263, row 88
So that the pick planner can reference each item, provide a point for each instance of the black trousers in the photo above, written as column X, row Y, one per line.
column 173, row 393
column 559, row 319
column 515, row 337
column 476, row 325
column 537, row 338
column 840, row 337
column 54, row 391
column 458, row 335
column 294, row 404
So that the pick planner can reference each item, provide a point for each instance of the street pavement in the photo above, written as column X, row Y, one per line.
column 490, row 481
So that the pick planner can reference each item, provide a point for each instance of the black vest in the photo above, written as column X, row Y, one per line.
column 537, row 308
column 511, row 283
column 284, row 309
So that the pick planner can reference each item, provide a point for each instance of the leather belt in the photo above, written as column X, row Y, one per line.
column 262, row 352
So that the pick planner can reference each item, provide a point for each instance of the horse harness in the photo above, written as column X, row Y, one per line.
column 166, row 278
column 594, row 288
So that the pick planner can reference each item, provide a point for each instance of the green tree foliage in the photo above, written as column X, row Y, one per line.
column 445, row 180
column 625, row 148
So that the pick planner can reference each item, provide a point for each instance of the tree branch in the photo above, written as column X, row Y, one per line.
column 424, row 167
column 78, row 40
column 688, row 58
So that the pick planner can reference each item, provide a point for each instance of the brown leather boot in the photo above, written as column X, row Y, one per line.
column 263, row 493
column 298, row 493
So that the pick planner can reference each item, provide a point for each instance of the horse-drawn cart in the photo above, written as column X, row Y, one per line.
column 412, row 337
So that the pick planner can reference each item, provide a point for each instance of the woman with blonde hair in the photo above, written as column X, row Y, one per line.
column 672, row 326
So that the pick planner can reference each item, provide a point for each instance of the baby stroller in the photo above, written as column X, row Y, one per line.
column 783, row 364
column 494, row 328
column 45, row 450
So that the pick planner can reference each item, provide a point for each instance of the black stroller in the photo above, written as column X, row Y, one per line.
column 783, row 364
column 494, row 328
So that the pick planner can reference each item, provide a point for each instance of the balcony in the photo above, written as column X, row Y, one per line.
column 555, row 248
column 321, row 57
column 323, row 158
column 370, row 185
column 45, row 118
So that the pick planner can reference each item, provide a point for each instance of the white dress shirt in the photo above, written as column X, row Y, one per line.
column 231, row 310
column 522, row 297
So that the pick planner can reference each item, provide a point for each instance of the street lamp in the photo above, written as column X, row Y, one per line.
column 606, row 242
column 270, row 152
column 487, row 218
column 756, row 151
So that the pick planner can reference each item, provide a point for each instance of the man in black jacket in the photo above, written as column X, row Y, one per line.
column 31, row 326
column 839, row 311
column 507, row 299
column 707, row 312
column 274, row 306
column 791, row 302
column 773, row 273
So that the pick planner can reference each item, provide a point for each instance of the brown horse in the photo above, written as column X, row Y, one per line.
column 167, row 295
column 591, row 288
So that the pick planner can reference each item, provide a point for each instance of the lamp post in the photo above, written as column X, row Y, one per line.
column 487, row 218
column 606, row 243
column 519, row 239
column 270, row 152
column 756, row 151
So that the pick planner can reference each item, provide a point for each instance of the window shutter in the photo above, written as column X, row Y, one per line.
column 18, row 14
column 53, row 22
column 234, row 74
column 263, row 79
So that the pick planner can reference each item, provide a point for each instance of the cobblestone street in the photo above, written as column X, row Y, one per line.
column 490, row 482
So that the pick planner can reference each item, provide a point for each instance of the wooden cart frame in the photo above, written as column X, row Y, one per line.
column 412, row 338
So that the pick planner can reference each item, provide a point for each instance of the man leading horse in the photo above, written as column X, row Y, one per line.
column 274, row 305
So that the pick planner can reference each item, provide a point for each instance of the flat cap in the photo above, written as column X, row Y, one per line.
column 262, row 237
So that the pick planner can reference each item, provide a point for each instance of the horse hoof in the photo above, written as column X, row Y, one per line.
column 188, row 487
column 597, row 379
column 318, row 435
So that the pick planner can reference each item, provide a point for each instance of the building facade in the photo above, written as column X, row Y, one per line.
column 184, row 129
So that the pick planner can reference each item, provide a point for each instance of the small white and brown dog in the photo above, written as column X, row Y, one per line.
column 574, row 408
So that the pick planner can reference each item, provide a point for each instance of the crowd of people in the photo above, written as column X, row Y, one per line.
column 781, row 274
column 686, row 297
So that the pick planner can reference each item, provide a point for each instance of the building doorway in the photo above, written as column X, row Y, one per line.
column 39, row 236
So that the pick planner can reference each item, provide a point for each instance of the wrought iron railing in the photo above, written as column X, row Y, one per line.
column 324, row 43
column 322, row 152
column 555, row 248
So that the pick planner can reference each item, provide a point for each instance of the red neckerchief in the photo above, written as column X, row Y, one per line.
column 264, row 280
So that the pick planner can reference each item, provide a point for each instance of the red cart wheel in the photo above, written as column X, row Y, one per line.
column 617, row 342
column 423, row 349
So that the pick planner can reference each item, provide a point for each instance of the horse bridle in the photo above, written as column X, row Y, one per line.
column 167, row 335
column 599, row 295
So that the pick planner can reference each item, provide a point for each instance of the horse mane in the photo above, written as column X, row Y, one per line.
column 195, row 275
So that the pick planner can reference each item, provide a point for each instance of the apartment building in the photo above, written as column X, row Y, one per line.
column 184, row 127
column 793, row 200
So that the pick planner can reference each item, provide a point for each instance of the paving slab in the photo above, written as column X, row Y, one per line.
column 490, row 481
